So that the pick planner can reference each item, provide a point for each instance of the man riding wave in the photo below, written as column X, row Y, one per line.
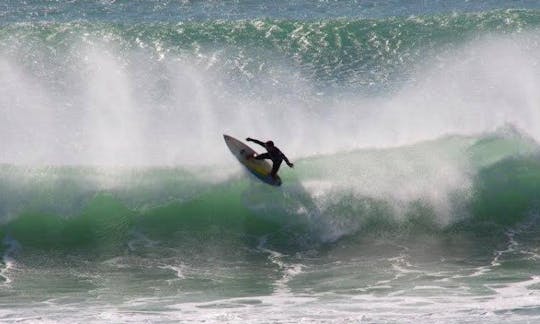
column 273, row 153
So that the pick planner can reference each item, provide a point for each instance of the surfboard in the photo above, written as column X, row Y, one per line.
column 259, row 168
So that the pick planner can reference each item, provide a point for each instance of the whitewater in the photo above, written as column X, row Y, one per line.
column 414, row 130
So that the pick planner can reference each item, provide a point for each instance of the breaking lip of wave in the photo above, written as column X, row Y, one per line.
column 123, row 107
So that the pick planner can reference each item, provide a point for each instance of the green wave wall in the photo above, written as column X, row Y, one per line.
column 74, row 214
column 343, row 52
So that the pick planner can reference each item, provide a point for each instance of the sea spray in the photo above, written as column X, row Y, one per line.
column 109, row 94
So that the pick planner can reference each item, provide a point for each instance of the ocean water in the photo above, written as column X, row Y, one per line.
column 414, row 127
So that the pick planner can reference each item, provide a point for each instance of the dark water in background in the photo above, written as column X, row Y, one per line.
column 413, row 127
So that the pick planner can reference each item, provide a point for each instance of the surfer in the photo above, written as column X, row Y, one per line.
column 273, row 153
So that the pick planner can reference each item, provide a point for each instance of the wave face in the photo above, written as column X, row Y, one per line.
column 436, row 186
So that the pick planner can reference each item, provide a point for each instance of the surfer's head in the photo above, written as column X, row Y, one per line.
column 269, row 144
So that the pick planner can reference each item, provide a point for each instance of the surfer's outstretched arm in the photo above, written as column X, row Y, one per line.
column 249, row 139
column 287, row 160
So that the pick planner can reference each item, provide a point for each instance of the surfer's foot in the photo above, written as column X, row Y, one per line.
column 250, row 156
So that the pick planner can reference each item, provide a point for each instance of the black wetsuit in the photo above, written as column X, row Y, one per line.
column 273, row 154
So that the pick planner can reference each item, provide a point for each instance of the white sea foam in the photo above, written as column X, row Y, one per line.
column 112, row 106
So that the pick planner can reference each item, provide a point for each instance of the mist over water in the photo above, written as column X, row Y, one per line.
column 100, row 99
